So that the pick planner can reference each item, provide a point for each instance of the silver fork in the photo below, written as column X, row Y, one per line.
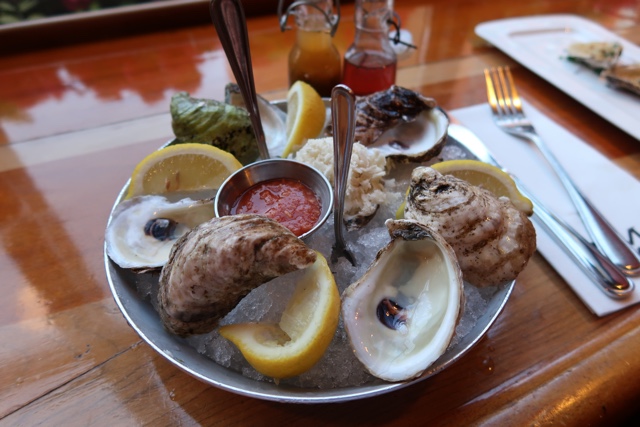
column 509, row 116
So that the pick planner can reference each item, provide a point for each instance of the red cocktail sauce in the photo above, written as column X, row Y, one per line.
column 288, row 201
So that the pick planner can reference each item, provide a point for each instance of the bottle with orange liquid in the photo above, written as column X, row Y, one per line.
column 370, row 62
column 314, row 58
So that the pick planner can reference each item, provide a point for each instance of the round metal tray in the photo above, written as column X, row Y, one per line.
column 142, row 317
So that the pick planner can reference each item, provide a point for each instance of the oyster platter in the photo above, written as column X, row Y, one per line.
column 436, row 258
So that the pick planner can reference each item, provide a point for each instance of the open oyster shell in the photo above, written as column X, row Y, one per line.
column 143, row 229
column 401, row 314
column 403, row 124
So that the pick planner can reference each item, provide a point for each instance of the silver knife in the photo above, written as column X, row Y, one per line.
column 593, row 263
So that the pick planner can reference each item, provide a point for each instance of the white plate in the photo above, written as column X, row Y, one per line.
column 539, row 43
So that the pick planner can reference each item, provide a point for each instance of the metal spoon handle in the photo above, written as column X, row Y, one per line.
column 230, row 23
column 343, row 107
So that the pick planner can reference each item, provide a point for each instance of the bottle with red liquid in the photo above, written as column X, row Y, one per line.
column 370, row 62
column 314, row 58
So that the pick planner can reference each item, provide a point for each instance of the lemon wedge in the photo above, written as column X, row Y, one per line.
column 488, row 177
column 305, row 330
column 182, row 167
column 306, row 115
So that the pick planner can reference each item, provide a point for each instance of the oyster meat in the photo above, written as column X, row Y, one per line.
column 595, row 55
column 405, row 125
column 215, row 265
column 624, row 77
column 143, row 229
column 493, row 241
column 401, row 315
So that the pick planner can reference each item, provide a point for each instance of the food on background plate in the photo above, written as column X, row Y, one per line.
column 143, row 229
column 604, row 59
column 365, row 184
column 402, row 313
column 406, row 125
column 306, row 116
column 624, row 77
column 493, row 240
column 212, row 267
column 207, row 121
column 596, row 55
column 182, row 168
column 306, row 328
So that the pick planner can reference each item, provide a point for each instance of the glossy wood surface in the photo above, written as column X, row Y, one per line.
column 75, row 120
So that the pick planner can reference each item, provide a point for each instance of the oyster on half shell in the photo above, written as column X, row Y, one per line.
column 143, row 229
column 403, row 124
column 401, row 315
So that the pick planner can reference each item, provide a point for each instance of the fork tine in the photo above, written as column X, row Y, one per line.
column 491, row 92
column 504, row 89
column 517, row 103
column 495, row 77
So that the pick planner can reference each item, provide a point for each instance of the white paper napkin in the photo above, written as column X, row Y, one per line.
column 612, row 190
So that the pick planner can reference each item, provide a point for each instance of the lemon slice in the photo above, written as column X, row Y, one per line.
column 182, row 167
column 488, row 177
column 306, row 116
column 305, row 330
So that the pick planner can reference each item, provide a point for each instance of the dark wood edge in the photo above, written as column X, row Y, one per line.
column 116, row 22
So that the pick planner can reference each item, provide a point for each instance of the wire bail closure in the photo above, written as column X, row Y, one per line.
column 332, row 20
column 395, row 23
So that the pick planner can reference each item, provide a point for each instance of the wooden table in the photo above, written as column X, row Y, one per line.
column 75, row 120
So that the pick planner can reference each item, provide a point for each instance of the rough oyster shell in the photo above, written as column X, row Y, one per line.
column 493, row 240
column 216, row 123
column 273, row 118
column 401, row 314
column 624, row 77
column 143, row 229
column 405, row 125
column 215, row 265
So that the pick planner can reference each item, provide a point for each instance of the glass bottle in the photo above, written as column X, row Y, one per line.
column 314, row 58
column 370, row 62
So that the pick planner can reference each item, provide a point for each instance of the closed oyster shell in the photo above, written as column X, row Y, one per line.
column 401, row 314
column 211, row 268
column 212, row 122
column 492, row 239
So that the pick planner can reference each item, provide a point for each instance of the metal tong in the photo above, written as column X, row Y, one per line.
column 230, row 23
